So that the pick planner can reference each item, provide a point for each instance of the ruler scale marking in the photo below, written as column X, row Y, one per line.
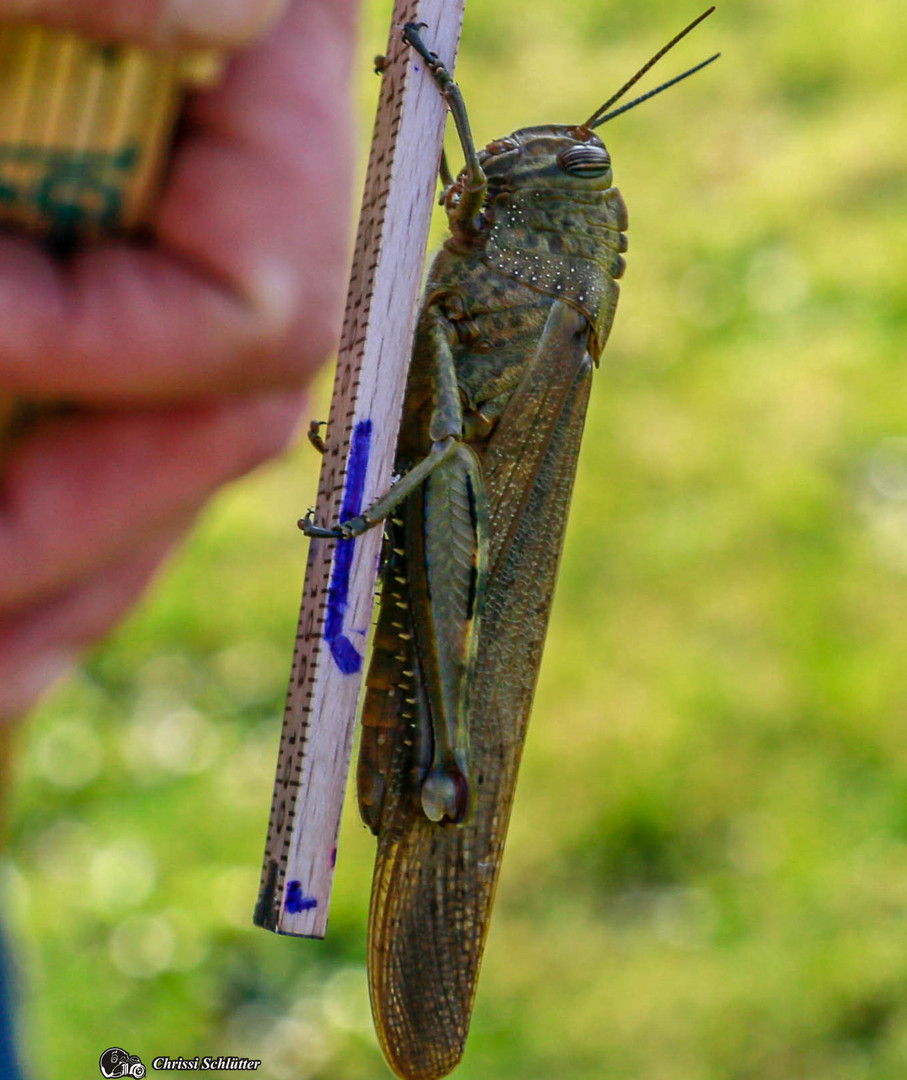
column 376, row 339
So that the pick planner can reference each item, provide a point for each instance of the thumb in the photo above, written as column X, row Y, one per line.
column 223, row 23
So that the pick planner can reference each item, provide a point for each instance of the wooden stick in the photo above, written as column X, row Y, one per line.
column 338, row 595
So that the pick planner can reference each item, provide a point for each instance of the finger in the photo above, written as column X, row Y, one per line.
column 41, row 644
column 244, row 288
column 153, row 22
column 87, row 490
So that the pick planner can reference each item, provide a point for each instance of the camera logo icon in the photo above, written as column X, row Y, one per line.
column 115, row 1063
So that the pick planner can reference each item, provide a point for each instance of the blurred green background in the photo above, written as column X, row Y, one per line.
column 706, row 876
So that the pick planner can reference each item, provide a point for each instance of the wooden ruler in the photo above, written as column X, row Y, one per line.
column 338, row 596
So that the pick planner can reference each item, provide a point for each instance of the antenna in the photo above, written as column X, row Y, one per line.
column 596, row 118
column 652, row 93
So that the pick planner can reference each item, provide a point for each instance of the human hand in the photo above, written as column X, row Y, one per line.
column 187, row 356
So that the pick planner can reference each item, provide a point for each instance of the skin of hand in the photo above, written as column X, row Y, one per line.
column 188, row 356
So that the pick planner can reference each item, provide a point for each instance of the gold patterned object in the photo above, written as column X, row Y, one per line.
column 85, row 134
column 85, row 129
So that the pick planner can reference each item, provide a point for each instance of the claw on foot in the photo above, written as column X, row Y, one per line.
column 309, row 528
column 346, row 530
column 314, row 436
column 413, row 38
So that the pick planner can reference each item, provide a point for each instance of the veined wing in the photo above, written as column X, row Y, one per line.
column 434, row 886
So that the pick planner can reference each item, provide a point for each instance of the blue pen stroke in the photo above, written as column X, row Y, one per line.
column 345, row 654
column 296, row 899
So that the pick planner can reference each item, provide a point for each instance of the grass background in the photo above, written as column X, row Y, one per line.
column 706, row 876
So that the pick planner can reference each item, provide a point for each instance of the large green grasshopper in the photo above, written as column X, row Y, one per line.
column 517, row 309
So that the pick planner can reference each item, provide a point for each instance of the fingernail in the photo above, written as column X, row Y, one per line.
column 220, row 22
column 273, row 292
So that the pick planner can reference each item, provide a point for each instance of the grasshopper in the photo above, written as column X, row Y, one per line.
column 517, row 309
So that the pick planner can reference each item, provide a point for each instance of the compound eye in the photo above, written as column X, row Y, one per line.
column 585, row 160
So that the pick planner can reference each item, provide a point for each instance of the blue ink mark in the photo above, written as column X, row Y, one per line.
column 346, row 655
column 297, row 900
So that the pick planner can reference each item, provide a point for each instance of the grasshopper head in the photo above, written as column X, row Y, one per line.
column 562, row 160
column 548, row 157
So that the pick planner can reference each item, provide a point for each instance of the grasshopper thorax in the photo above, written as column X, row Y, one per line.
column 550, row 218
